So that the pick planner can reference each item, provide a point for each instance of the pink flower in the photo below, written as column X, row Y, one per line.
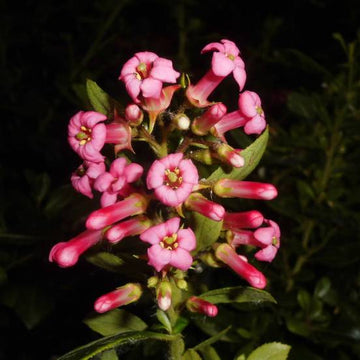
column 170, row 246
column 134, row 115
column 269, row 237
column 86, row 136
column 199, row 203
column 123, row 295
column 228, row 188
column 83, row 178
column 145, row 73
column 114, row 182
column 202, row 124
column 66, row 254
column 119, row 133
column 240, row 265
column 226, row 60
column 131, row 227
column 229, row 155
column 172, row 178
column 135, row 204
column 245, row 219
column 250, row 106
column 229, row 122
column 198, row 305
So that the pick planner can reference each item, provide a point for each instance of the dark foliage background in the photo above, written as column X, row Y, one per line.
column 309, row 86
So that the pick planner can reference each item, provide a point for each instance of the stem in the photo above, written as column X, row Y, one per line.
column 176, row 348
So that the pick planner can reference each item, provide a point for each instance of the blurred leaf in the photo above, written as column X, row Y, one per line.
column 30, row 302
column 181, row 324
column 297, row 326
column 58, row 200
column 191, row 355
column 106, row 261
column 209, row 353
column 252, row 155
column 110, row 342
column 40, row 185
column 238, row 294
column 270, row 351
column 100, row 100
column 305, row 106
column 164, row 320
column 211, row 340
column 207, row 231
column 304, row 300
column 109, row 355
column 322, row 287
column 115, row 322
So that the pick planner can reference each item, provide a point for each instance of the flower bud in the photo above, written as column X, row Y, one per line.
column 119, row 133
column 134, row 115
column 195, row 304
column 152, row 281
column 202, row 124
column 181, row 122
column 229, row 155
column 123, row 295
column 163, row 295
column 181, row 284
column 199, row 203
column 204, row 156
column 245, row 219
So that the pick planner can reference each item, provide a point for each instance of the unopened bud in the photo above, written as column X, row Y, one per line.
column 199, row 203
column 182, row 284
column 229, row 155
column 181, row 121
column 195, row 304
column 152, row 281
column 203, row 156
column 163, row 295
column 202, row 124
column 209, row 259
column 134, row 115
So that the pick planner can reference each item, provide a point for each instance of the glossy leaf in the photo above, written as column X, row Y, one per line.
column 237, row 294
column 270, row 351
column 207, row 231
column 252, row 155
column 115, row 322
column 110, row 342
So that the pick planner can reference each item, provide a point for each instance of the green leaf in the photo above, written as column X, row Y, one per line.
column 191, row 355
column 209, row 353
column 207, row 231
column 270, row 351
column 109, row 355
column 237, row 294
column 115, row 322
column 164, row 320
column 106, row 261
column 110, row 342
column 211, row 340
column 304, row 300
column 100, row 100
column 252, row 155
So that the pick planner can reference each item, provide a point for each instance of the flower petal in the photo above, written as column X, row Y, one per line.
column 151, row 88
column 108, row 198
column 240, row 76
column 167, row 196
column 186, row 239
column 158, row 257
column 172, row 225
column 156, row 174
column 221, row 65
column 163, row 70
column 266, row 254
column 181, row 259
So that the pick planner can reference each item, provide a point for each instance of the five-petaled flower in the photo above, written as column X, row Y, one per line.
column 145, row 73
column 170, row 246
column 87, row 135
column 172, row 179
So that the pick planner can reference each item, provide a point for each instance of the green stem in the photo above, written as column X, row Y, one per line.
column 176, row 348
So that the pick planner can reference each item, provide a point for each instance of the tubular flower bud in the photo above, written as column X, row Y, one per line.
column 229, row 155
column 170, row 246
column 83, row 178
column 195, row 304
column 119, row 133
column 86, row 136
column 131, row 227
column 114, row 182
column 228, row 188
column 202, row 124
column 66, row 254
column 172, row 178
column 250, row 107
column 199, row 203
column 123, row 295
column 134, row 115
column 135, row 204
column 163, row 295
column 240, row 237
column 245, row 219
column 204, row 156
column 229, row 122
column 239, row 264
column 181, row 122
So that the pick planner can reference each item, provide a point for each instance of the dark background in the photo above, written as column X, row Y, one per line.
column 49, row 48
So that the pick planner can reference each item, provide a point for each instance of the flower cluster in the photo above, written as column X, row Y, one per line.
column 154, row 203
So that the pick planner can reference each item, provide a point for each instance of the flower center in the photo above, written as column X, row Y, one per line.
column 141, row 71
column 230, row 56
column 259, row 110
column 172, row 178
column 81, row 171
column 169, row 242
column 84, row 135
column 275, row 241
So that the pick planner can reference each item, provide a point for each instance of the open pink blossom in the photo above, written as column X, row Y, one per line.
column 226, row 60
column 113, row 183
column 83, row 178
column 66, row 254
column 269, row 237
column 87, row 135
column 145, row 74
column 170, row 246
column 172, row 178
column 250, row 107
